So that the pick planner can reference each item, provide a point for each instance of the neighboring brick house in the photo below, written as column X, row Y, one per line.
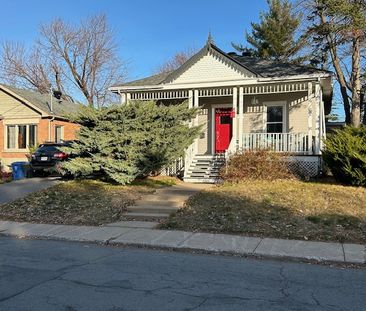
column 28, row 118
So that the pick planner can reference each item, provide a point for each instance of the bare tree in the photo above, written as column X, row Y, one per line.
column 72, row 58
column 29, row 68
column 176, row 61
column 339, row 29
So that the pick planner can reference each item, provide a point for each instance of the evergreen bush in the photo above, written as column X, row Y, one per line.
column 123, row 142
column 345, row 155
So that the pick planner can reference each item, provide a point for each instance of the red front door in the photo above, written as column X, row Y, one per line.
column 223, row 128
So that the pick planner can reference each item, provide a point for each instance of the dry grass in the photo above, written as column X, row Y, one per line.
column 287, row 209
column 79, row 202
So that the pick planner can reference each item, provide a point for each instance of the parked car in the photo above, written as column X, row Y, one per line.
column 47, row 157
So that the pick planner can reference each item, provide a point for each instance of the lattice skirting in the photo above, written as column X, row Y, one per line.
column 305, row 166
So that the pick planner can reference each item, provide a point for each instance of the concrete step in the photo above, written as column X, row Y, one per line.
column 152, row 209
column 151, row 203
column 168, row 197
column 201, row 180
column 136, row 215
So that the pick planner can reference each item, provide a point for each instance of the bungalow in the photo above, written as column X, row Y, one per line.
column 28, row 118
column 245, row 103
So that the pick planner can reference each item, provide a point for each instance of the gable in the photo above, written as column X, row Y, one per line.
column 210, row 67
column 11, row 107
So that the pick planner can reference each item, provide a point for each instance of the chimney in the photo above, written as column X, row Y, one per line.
column 232, row 54
column 57, row 94
column 247, row 54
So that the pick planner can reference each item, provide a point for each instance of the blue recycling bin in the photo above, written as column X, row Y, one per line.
column 19, row 170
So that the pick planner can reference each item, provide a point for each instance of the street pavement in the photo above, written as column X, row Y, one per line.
column 71, row 276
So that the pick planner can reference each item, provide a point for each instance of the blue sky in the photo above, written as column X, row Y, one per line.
column 147, row 32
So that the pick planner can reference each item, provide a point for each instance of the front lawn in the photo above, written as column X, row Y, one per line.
column 279, row 209
column 85, row 202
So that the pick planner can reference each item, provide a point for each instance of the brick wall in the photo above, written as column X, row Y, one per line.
column 69, row 130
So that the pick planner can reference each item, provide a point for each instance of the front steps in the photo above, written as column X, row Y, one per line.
column 205, row 169
column 162, row 203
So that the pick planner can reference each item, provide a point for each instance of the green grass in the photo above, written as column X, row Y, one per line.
column 281, row 209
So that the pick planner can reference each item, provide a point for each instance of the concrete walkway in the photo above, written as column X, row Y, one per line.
column 21, row 188
column 135, row 234
column 163, row 201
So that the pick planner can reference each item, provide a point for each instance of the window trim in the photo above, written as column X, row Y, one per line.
column 282, row 103
column 17, row 149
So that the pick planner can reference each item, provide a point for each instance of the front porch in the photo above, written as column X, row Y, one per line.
column 285, row 117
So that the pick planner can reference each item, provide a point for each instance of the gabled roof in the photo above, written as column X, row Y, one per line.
column 41, row 102
column 256, row 66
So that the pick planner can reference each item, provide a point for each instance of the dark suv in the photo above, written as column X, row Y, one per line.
column 47, row 156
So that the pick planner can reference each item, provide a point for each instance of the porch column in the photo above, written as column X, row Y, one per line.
column 190, row 103
column 195, row 121
column 123, row 98
column 317, row 116
column 128, row 97
column 235, row 110
column 241, row 116
column 310, row 119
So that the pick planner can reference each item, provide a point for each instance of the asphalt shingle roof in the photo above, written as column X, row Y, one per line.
column 152, row 80
column 271, row 69
column 262, row 67
column 61, row 107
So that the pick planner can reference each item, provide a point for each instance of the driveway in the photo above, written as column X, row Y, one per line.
column 20, row 188
column 54, row 275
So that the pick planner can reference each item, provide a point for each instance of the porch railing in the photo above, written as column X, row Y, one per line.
column 189, row 155
column 279, row 142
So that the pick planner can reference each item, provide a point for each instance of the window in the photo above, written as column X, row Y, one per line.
column 58, row 134
column 225, row 120
column 32, row 135
column 275, row 119
column 21, row 136
column 11, row 143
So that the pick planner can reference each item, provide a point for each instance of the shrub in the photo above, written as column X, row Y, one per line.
column 125, row 142
column 345, row 155
column 260, row 164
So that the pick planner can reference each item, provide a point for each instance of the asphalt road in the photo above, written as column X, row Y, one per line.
column 50, row 275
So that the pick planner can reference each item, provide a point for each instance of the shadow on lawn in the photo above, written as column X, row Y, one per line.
column 227, row 213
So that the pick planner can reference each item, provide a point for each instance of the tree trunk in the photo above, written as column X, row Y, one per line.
column 356, row 83
column 338, row 69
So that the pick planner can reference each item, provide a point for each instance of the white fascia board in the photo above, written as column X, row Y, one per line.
column 241, row 82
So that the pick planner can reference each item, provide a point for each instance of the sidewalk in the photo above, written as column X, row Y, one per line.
column 20, row 188
column 142, row 234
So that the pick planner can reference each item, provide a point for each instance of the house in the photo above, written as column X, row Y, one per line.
column 245, row 103
column 28, row 118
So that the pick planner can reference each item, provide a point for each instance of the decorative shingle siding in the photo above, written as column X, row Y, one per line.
column 211, row 68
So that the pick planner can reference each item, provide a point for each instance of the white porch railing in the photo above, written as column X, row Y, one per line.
column 188, row 158
column 279, row 142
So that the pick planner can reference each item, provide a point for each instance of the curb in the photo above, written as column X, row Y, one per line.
column 321, row 252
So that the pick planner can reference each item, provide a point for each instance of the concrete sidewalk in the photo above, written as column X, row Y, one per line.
column 135, row 234
column 21, row 188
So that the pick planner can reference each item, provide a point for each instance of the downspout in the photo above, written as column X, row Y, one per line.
column 53, row 117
